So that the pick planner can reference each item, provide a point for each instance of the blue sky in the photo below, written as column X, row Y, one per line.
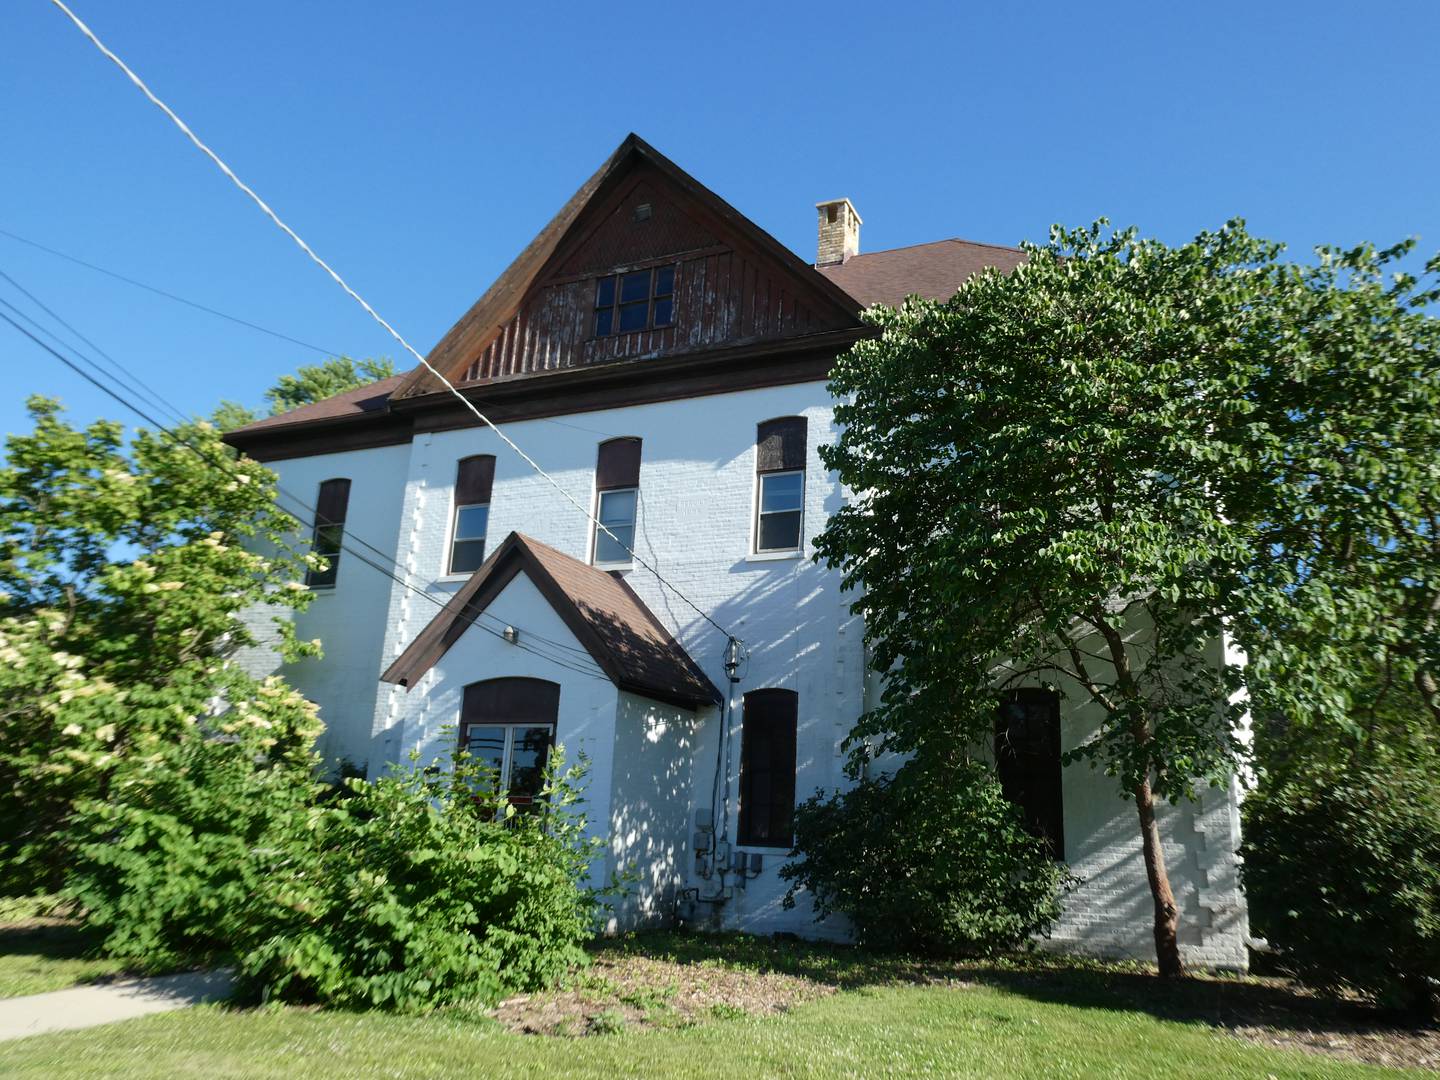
column 419, row 147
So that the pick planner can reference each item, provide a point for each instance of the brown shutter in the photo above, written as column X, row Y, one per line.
column 510, row 701
column 767, row 768
column 780, row 444
column 1027, row 759
column 473, row 479
column 333, row 501
column 618, row 464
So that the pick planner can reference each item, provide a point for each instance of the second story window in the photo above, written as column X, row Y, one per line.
column 617, row 492
column 641, row 300
column 779, row 484
column 331, row 506
column 474, row 477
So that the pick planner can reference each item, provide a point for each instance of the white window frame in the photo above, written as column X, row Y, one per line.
column 755, row 549
column 595, row 533
column 455, row 509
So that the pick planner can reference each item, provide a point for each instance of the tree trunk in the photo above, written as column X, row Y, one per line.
column 1167, row 915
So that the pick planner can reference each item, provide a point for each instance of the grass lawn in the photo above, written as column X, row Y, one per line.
column 860, row 1015
column 40, row 953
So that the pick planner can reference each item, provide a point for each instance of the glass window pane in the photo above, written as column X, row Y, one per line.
column 604, row 322
column 527, row 762
column 605, row 293
column 664, row 280
column 634, row 316
column 320, row 578
column 635, row 286
column 466, row 556
column 487, row 746
column 780, row 492
column 779, row 532
column 470, row 522
column 618, row 507
column 608, row 550
column 664, row 312
column 328, row 537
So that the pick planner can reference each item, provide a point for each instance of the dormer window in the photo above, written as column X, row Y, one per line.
column 641, row 300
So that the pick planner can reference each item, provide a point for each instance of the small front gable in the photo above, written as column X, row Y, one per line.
column 733, row 284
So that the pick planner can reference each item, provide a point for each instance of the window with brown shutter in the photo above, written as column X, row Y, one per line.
column 508, row 725
column 779, row 484
column 474, row 477
column 617, row 497
column 1027, row 758
column 331, row 505
column 767, row 768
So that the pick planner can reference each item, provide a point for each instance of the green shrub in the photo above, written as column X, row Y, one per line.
column 409, row 893
column 1342, row 872
column 416, row 892
column 932, row 860
column 165, row 865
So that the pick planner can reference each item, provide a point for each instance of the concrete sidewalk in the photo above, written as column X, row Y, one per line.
column 87, row 1006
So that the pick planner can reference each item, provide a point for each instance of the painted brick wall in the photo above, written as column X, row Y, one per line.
column 695, row 520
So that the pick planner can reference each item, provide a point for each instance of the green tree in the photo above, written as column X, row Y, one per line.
column 316, row 382
column 124, row 569
column 1033, row 463
column 310, row 383
column 1342, row 486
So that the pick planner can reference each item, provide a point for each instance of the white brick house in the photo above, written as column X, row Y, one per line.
column 665, row 361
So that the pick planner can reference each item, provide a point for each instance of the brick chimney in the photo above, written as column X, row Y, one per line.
column 839, row 232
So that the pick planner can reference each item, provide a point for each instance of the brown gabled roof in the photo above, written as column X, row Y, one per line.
column 476, row 327
column 613, row 624
column 933, row 270
column 363, row 401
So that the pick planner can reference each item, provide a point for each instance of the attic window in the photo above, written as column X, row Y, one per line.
column 642, row 300
column 642, row 212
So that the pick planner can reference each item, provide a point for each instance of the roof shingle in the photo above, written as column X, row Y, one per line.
column 623, row 636
column 933, row 270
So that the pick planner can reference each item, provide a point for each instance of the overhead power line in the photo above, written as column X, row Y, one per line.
column 593, row 670
column 169, row 295
column 340, row 281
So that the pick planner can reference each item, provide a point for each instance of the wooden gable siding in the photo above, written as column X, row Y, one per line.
column 726, row 292
column 721, row 297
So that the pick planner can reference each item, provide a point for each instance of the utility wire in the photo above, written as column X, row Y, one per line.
column 132, row 407
column 169, row 295
column 162, row 402
column 335, row 276
column 126, row 378
column 243, row 322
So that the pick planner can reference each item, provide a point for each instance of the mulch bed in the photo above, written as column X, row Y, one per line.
column 673, row 980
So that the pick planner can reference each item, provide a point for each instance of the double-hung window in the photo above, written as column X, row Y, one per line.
column 640, row 300
column 767, row 768
column 330, row 508
column 1027, row 759
column 508, row 726
column 779, row 484
column 474, row 477
column 617, row 496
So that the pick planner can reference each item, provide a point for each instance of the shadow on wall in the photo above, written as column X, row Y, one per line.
column 650, row 807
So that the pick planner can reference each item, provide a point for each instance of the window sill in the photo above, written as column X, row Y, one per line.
column 774, row 556
column 453, row 579
column 614, row 567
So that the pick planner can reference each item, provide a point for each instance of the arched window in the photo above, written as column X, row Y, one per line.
column 509, row 725
column 779, row 484
column 617, row 497
column 767, row 768
column 474, row 476
column 331, row 505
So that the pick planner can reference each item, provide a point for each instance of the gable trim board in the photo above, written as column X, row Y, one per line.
column 630, row 645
